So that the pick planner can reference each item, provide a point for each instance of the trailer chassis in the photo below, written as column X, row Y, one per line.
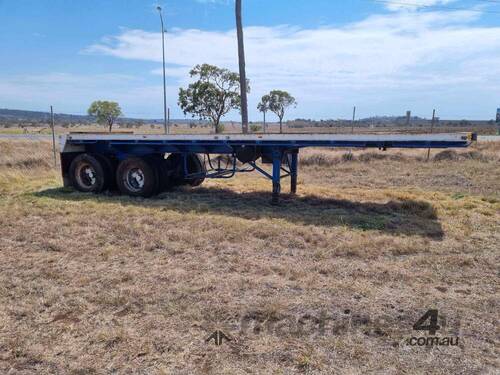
column 242, row 152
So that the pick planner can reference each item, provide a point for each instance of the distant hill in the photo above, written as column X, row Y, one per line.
column 10, row 116
column 15, row 115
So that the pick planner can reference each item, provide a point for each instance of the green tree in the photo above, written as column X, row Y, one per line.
column 264, row 107
column 279, row 102
column 105, row 112
column 213, row 95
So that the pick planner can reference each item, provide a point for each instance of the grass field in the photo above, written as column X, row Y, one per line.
column 330, row 281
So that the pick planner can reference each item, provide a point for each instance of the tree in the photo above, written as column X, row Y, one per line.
column 213, row 95
column 264, row 107
column 105, row 112
column 279, row 102
column 241, row 59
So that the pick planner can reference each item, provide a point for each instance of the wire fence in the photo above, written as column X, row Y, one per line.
column 27, row 153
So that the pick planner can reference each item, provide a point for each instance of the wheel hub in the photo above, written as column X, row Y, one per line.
column 87, row 176
column 135, row 179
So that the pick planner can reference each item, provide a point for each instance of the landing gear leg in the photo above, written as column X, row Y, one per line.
column 277, row 159
column 294, row 171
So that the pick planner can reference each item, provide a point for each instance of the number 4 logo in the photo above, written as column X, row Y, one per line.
column 432, row 316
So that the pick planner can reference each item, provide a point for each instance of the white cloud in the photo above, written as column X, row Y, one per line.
column 413, row 4
column 381, row 60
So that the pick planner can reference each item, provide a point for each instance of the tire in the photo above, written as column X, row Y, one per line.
column 87, row 174
column 109, row 167
column 196, row 165
column 247, row 154
column 174, row 164
column 137, row 177
column 163, row 173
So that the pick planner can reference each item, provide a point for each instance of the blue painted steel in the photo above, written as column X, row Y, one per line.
column 261, row 171
column 294, row 163
column 122, row 149
column 277, row 159
column 139, row 147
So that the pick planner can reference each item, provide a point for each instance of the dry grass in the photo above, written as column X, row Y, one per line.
column 108, row 284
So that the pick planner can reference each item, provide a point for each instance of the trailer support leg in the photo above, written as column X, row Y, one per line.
column 277, row 159
column 294, row 171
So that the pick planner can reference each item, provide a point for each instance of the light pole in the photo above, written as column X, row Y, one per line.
column 164, row 77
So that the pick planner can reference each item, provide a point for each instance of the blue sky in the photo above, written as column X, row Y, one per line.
column 385, row 57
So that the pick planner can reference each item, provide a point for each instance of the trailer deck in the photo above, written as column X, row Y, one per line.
column 138, row 165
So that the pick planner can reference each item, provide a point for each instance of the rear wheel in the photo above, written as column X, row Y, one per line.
column 164, row 173
column 137, row 177
column 109, row 168
column 196, row 166
column 88, row 175
column 175, row 163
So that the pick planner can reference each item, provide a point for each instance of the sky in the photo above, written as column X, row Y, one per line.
column 385, row 57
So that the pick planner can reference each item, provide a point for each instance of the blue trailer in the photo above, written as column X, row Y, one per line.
column 144, row 165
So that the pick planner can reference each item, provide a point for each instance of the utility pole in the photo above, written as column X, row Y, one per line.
column 432, row 131
column 264, row 126
column 53, row 135
column 243, row 76
column 165, row 124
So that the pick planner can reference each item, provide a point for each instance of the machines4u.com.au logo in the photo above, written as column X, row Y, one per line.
column 429, row 323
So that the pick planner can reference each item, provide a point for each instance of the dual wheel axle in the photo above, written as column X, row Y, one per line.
column 145, row 176
column 134, row 176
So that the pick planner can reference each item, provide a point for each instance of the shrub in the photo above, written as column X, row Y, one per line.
column 255, row 128
column 348, row 156
column 446, row 155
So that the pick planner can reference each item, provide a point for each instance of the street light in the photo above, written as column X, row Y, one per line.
column 164, row 77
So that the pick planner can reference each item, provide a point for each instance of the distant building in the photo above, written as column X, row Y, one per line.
column 498, row 115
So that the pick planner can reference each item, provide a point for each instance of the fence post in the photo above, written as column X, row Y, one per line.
column 353, row 119
column 352, row 127
column 53, row 135
column 168, row 120
column 432, row 131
